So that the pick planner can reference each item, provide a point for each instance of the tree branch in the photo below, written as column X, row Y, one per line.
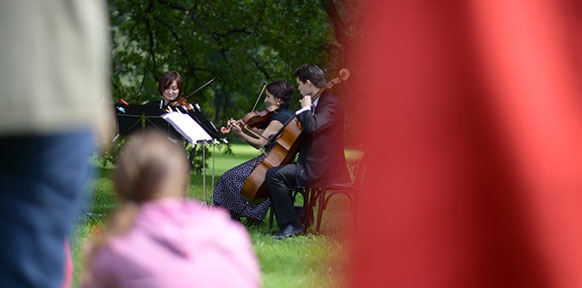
column 339, row 26
column 178, row 40
column 262, row 69
column 151, row 38
column 173, row 5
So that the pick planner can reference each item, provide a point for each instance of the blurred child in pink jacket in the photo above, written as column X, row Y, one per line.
column 157, row 238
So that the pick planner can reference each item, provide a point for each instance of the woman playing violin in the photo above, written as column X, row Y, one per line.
column 227, row 192
column 170, row 85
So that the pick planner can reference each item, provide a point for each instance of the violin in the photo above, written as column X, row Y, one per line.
column 181, row 103
column 252, row 119
column 184, row 103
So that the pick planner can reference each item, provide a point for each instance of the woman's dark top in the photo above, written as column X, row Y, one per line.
column 281, row 115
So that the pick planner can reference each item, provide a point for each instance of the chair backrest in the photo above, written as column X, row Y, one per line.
column 358, row 169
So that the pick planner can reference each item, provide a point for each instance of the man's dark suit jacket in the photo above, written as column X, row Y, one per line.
column 321, row 154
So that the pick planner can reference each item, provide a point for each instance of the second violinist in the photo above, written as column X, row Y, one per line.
column 227, row 192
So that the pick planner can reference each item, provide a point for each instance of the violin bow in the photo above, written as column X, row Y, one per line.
column 200, row 88
column 259, row 97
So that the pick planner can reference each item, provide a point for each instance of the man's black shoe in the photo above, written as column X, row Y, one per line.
column 288, row 231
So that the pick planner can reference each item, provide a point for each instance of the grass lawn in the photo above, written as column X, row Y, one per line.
column 305, row 261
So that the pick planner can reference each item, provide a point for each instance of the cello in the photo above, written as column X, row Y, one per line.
column 287, row 142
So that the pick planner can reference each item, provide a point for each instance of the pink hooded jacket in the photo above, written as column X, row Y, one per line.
column 178, row 243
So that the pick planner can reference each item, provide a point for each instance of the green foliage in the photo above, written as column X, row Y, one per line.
column 201, row 152
column 240, row 43
column 109, row 157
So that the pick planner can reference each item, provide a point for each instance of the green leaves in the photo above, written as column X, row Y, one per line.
column 241, row 43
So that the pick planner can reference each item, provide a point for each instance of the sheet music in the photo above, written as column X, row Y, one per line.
column 186, row 126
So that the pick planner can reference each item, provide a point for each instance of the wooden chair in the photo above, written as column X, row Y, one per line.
column 320, row 196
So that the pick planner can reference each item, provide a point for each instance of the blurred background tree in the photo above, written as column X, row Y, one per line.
column 242, row 44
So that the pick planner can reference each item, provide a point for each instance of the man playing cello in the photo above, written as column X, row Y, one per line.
column 321, row 153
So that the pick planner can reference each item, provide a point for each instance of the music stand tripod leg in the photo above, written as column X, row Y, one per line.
column 204, row 170
column 191, row 157
column 191, row 163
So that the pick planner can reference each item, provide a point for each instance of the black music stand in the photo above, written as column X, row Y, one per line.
column 137, row 117
column 200, row 131
column 196, row 113
column 217, row 137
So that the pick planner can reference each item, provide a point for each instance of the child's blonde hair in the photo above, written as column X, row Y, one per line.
column 150, row 167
